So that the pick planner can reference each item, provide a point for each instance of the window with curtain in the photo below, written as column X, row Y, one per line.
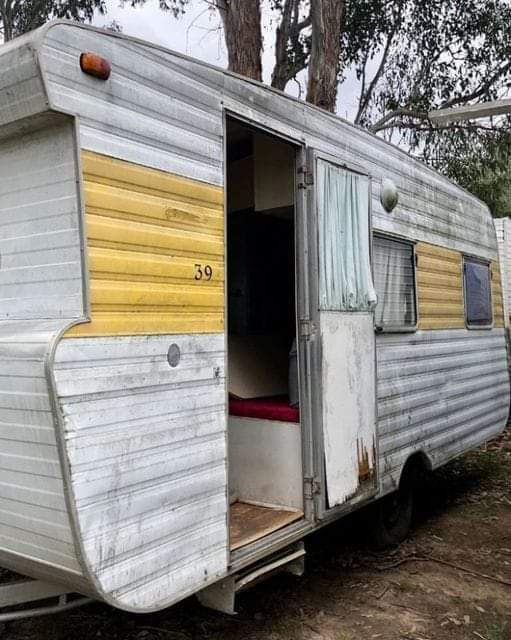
column 394, row 280
column 345, row 278
column 478, row 310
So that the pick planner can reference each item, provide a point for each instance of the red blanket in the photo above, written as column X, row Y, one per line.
column 274, row 408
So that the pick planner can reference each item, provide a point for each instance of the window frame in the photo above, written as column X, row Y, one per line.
column 486, row 263
column 402, row 328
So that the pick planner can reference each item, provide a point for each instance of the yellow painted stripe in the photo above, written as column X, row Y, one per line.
column 439, row 287
column 103, row 169
column 121, row 324
column 496, row 292
column 147, row 232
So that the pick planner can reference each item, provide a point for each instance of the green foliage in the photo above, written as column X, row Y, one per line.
column 485, row 170
column 19, row 16
column 435, row 54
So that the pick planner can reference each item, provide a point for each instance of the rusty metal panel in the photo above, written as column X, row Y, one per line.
column 439, row 287
column 348, row 388
column 155, row 245
column 146, row 445
column 439, row 392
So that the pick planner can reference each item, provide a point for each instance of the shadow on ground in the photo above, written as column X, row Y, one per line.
column 450, row 580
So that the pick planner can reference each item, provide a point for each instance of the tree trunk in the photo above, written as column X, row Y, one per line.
column 290, row 54
column 6, row 20
column 327, row 18
column 241, row 20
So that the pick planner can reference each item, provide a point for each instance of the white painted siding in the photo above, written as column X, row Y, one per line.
column 440, row 392
column 348, row 402
column 33, row 516
column 151, row 111
column 40, row 261
column 147, row 451
column 40, row 292
column 503, row 230
column 21, row 88
column 163, row 110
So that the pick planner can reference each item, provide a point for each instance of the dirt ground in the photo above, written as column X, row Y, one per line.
column 450, row 580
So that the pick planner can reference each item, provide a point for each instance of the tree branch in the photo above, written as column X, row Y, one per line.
column 479, row 92
column 366, row 97
column 400, row 112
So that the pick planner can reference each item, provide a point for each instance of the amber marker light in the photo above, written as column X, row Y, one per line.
column 95, row 66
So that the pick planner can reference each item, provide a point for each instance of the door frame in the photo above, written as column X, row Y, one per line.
column 322, row 511
column 262, row 547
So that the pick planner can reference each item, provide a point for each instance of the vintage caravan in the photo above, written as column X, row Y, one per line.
column 227, row 318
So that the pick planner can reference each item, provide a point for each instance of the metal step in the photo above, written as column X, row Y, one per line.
column 23, row 592
column 221, row 596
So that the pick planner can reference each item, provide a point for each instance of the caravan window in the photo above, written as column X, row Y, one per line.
column 478, row 311
column 394, row 279
column 345, row 279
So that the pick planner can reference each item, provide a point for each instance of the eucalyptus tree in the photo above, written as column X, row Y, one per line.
column 19, row 16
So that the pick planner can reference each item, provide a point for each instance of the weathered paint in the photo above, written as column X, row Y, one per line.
column 440, row 392
column 439, row 287
column 40, row 262
column 496, row 295
column 146, row 449
column 349, row 402
column 40, row 292
column 503, row 230
column 147, row 232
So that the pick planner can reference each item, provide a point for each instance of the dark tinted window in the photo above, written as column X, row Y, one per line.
column 477, row 293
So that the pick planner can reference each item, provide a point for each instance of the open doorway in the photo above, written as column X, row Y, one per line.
column 265, row 440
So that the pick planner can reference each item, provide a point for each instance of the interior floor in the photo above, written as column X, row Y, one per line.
column 250, row 522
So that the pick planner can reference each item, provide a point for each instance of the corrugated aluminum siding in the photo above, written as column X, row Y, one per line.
column 441, row 392
column 439, row 287
column 167, row 114
column 22, row 92
column 497, row 295
column 40, row 274
column 40, row 291
column 34, row 522
column 147, row 231
column 147, row 448
column 502, row 227
column 162, row 116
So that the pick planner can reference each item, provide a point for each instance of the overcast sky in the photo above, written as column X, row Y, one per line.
column 198, row 34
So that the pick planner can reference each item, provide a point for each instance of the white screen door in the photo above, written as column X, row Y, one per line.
column 346, row 319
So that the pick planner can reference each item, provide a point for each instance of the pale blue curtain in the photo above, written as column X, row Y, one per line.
column 345, row 279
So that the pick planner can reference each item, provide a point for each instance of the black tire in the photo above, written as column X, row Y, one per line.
column 391, row 516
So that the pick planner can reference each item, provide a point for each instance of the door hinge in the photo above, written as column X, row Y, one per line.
column 306, row 329
column 312, row 488
column 305, row 177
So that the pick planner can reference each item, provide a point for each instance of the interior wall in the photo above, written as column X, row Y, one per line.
column 265, row 462
column 274, row 180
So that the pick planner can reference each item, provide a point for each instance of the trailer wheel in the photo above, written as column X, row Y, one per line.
column 392, row 515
